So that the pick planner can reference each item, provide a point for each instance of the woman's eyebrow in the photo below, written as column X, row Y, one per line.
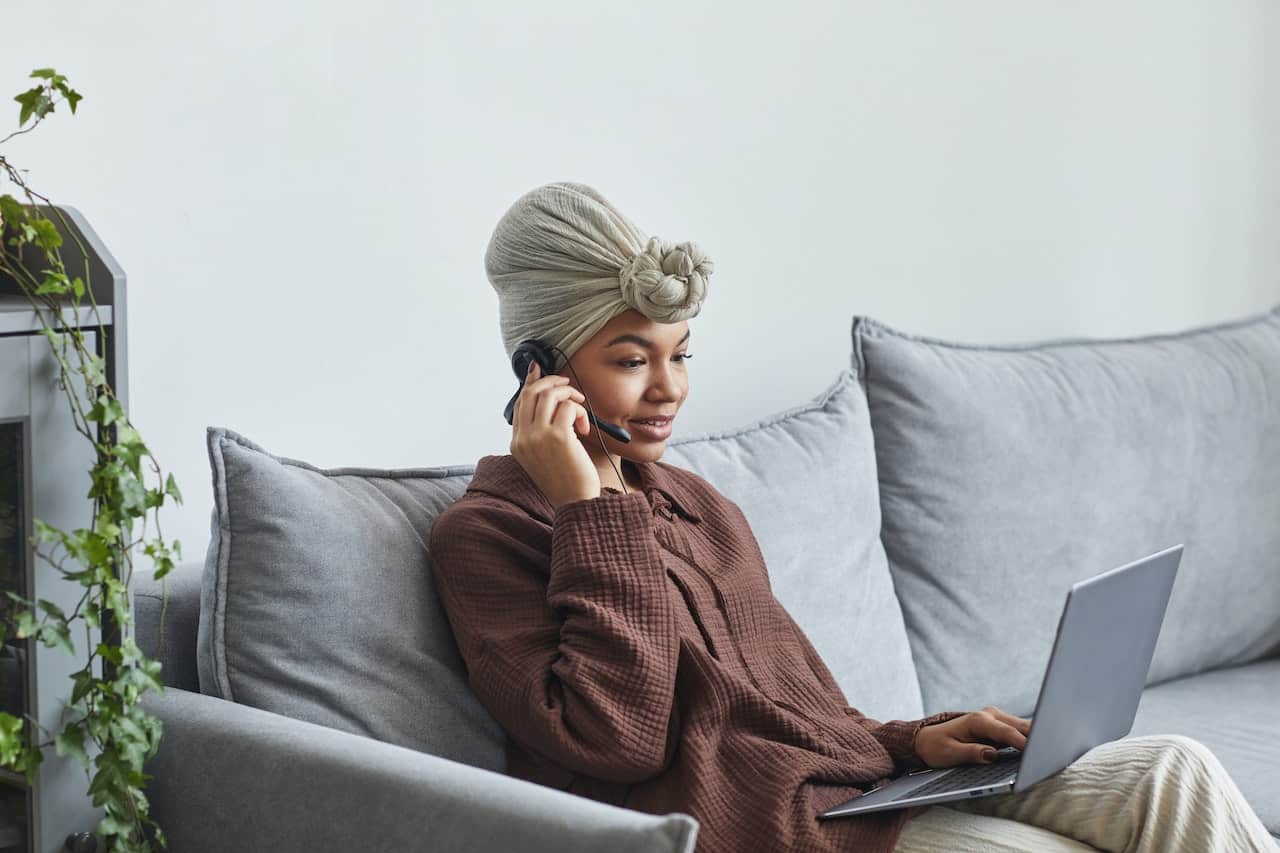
column 644, row 342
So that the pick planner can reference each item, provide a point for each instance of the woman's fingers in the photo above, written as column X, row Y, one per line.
column 1020, row 723
column 1014, row 737
column 993, row 727
column 549, row 401
column 534, row 383
column 534, row 405
column 572, row 415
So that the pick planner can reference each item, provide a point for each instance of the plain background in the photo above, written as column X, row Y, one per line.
column 301, row 194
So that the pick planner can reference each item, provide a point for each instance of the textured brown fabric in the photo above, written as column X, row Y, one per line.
column 631, row 647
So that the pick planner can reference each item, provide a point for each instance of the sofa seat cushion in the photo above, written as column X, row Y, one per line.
column 1236, row 713
column 1007, row 473
column 805, row 479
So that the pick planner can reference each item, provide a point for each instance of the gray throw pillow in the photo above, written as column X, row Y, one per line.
column 1009, row 472
column 806, row 481
column 318, row 603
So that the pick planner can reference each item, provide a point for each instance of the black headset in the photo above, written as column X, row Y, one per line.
column 535, row 350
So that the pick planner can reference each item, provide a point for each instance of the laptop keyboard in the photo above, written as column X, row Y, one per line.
column 970, row 776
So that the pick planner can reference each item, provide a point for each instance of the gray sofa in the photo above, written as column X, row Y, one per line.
column 936, row 499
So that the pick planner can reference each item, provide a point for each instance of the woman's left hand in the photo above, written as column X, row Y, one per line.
column 972, row 738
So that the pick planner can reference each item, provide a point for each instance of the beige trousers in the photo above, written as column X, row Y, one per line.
column 1138, row 795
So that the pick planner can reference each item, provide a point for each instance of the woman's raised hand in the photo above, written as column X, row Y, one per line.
column 548, row 410
column 972, row 738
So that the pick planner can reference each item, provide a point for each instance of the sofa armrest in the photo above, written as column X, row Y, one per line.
column 228, row 777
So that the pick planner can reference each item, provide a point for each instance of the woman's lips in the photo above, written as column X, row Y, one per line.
column 651, row 432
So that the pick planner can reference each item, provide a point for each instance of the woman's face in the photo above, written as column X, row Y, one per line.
column 632, row 368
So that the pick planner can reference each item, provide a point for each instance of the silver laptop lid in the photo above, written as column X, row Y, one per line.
column 1098, row 667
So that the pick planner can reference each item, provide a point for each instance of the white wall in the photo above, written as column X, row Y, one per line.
column 301, row 194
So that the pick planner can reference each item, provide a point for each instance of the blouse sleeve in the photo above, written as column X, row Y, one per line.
column 574, row 655
column 898, row 737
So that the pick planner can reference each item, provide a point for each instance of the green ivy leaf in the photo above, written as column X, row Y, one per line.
column 11, row 211
column 54, row 284
column 131, row 730
column 96, row 369
column 70, row 741
column 113, row 826
column 112, row 775
column 111, row 653
column 171, row 488
column 164, row 565
column 87, row 577
column 27, row 625
column 129, row 651
column 58, row 635
column 28, row 763
column 52, row 609
column 83, row 681
column 44, row 73
column 29, row 100
column 11, row 739
column 106, row 528
column 106, row 410
column 93, row 616
column 47, row 236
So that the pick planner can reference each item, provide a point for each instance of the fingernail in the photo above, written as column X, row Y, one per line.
column 989, row 754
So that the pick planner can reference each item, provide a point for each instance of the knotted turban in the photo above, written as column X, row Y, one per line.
column 564, row 262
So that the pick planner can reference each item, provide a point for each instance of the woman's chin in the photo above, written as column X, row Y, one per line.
column 642, row 451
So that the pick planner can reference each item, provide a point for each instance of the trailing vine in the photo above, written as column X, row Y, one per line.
column 105, row 714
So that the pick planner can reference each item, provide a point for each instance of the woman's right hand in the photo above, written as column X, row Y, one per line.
column 548, row 410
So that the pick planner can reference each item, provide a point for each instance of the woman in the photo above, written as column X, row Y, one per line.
column 615, row 614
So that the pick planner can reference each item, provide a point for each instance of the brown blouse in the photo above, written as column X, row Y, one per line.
column 631, row 647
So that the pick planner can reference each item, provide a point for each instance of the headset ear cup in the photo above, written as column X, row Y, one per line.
column 532, row 350
column 520, row 366
column 525, row 353
column 510, row 411
column 520, row 362
column 543, row 355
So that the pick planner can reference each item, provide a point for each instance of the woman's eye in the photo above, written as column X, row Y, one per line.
column 684, row 356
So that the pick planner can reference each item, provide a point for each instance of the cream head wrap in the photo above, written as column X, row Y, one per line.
column 565, row 261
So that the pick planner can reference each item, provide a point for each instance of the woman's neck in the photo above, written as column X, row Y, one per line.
column 608, row 477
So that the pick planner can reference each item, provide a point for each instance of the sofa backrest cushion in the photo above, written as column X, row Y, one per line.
column 317, row 601
column 1009, row 472
column 805, row 479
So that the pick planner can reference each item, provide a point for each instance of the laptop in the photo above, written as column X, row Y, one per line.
column 1090, row 692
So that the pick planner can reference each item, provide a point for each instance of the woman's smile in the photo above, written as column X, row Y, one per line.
column 653, row 429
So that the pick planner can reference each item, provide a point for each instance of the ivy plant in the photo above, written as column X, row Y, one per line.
column 104, row 715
